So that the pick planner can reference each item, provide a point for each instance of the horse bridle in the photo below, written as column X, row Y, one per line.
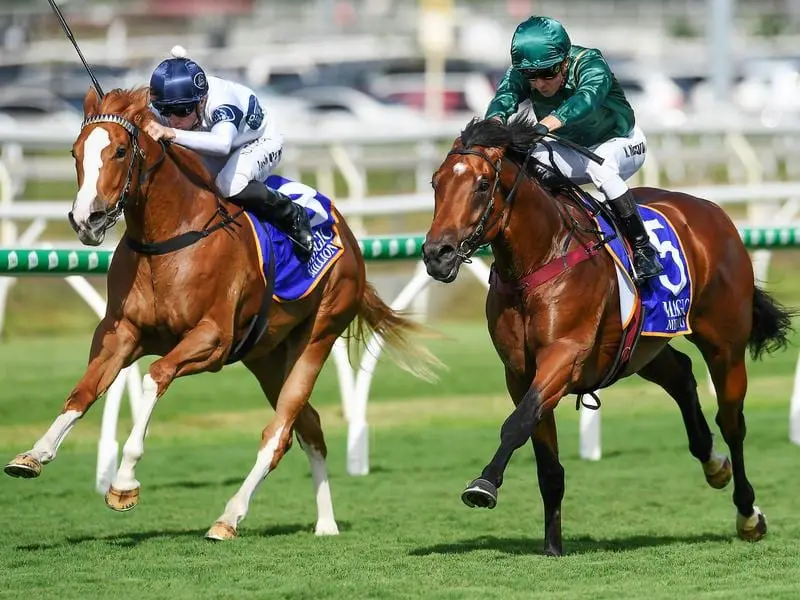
column 470, row 244
column 172, row 244
column 113, row 215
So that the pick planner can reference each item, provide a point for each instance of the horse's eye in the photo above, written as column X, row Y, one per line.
column 120, row 153
column 483, row 184
column 72, row 152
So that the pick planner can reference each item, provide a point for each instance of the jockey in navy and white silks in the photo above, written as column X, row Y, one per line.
column 225, row 123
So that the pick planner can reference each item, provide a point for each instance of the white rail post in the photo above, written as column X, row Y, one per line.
column 794, row 409
column 589, row 443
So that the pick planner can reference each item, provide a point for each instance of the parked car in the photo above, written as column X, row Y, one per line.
column 336, row 108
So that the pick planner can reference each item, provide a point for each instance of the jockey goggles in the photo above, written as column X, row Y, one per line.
column 548, row 73
column 178, row 110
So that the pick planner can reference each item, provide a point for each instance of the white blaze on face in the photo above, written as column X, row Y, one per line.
column 459, row 168
column 92, row 163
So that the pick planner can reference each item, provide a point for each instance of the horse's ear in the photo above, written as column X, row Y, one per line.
column 91, row 103
column 139, row 100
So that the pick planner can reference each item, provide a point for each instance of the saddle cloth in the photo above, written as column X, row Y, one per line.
column 295, row 279
column 666, row 299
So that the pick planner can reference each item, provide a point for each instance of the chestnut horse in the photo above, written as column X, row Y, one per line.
column 562, row 336
column 186, row 284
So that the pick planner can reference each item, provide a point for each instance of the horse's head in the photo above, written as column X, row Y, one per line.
column 472, row 193
column 107, row 155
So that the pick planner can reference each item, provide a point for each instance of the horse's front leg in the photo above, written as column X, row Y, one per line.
column 114, row 346
column 203, row 348
column 555, row 371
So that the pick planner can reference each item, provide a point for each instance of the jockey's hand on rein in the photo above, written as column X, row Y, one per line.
column 157, row 131
column 540, row 130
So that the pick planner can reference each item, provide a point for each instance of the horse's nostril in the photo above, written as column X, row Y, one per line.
column 97, row 218
column 445, row 251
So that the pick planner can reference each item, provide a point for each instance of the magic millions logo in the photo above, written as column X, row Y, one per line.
column 325, row 250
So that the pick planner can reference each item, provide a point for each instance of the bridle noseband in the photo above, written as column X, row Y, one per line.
column 474, row 240
column 172, row 244
column 113, row 215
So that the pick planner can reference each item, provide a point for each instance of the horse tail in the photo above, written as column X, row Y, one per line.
column 394, row 329
column 772, row 324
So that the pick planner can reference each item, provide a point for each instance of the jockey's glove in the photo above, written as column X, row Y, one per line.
column 540, row 130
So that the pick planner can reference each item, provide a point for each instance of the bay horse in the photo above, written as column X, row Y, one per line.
column 553, row 310
column 186, row 284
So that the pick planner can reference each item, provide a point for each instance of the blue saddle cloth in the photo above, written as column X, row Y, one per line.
column 295, row 279
column 666, row 299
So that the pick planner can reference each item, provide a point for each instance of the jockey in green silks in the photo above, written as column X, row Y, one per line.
column 573, row 90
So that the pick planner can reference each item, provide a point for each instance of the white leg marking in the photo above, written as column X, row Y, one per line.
column 236, row 508
column 45, row 449
column 713, row 465
column 748, row 523
column 326, row 523
column 134, row 446
column 92, row 164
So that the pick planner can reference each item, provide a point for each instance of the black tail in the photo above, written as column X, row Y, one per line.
column 772, row 324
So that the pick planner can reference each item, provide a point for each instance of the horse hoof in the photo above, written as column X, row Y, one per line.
column 328, row 527
column 752, row 528
column 480, row 493
column 552, row 551
column 25, row 466
column 220, row 532
column 721, row 476
column 122, row 500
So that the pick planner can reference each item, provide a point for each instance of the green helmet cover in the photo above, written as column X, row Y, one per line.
column 539, row 43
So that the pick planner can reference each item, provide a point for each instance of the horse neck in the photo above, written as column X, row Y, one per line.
column 169, row 203
column 533, row 235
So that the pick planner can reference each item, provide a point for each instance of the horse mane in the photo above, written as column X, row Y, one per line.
column 516, row 137
column 134, row 105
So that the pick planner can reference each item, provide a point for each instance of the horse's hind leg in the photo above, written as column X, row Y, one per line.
column 309, row 433
column 672, row 370
column 290, row 399
column 728, row 372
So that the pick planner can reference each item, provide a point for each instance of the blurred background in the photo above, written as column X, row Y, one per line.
column 369, row 93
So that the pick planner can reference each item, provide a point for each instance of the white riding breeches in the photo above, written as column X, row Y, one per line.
column 253, row 161
column 623, row 157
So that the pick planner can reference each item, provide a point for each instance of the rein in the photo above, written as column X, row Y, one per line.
column 112, row 216
column 472, row 242
column 545, row 272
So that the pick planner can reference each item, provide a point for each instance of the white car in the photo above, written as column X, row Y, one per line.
column 653, row 95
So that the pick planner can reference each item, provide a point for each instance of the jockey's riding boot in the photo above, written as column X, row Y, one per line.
column 645, row 258
column 277, row 208
column 293, row 220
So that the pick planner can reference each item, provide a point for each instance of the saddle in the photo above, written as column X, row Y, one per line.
column 557, row 184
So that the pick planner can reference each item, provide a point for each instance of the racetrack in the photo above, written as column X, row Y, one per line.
column 641, row 522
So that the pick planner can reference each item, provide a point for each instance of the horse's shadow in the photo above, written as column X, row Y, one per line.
column 192, row 485
column 133, row 539
column 572, row 546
